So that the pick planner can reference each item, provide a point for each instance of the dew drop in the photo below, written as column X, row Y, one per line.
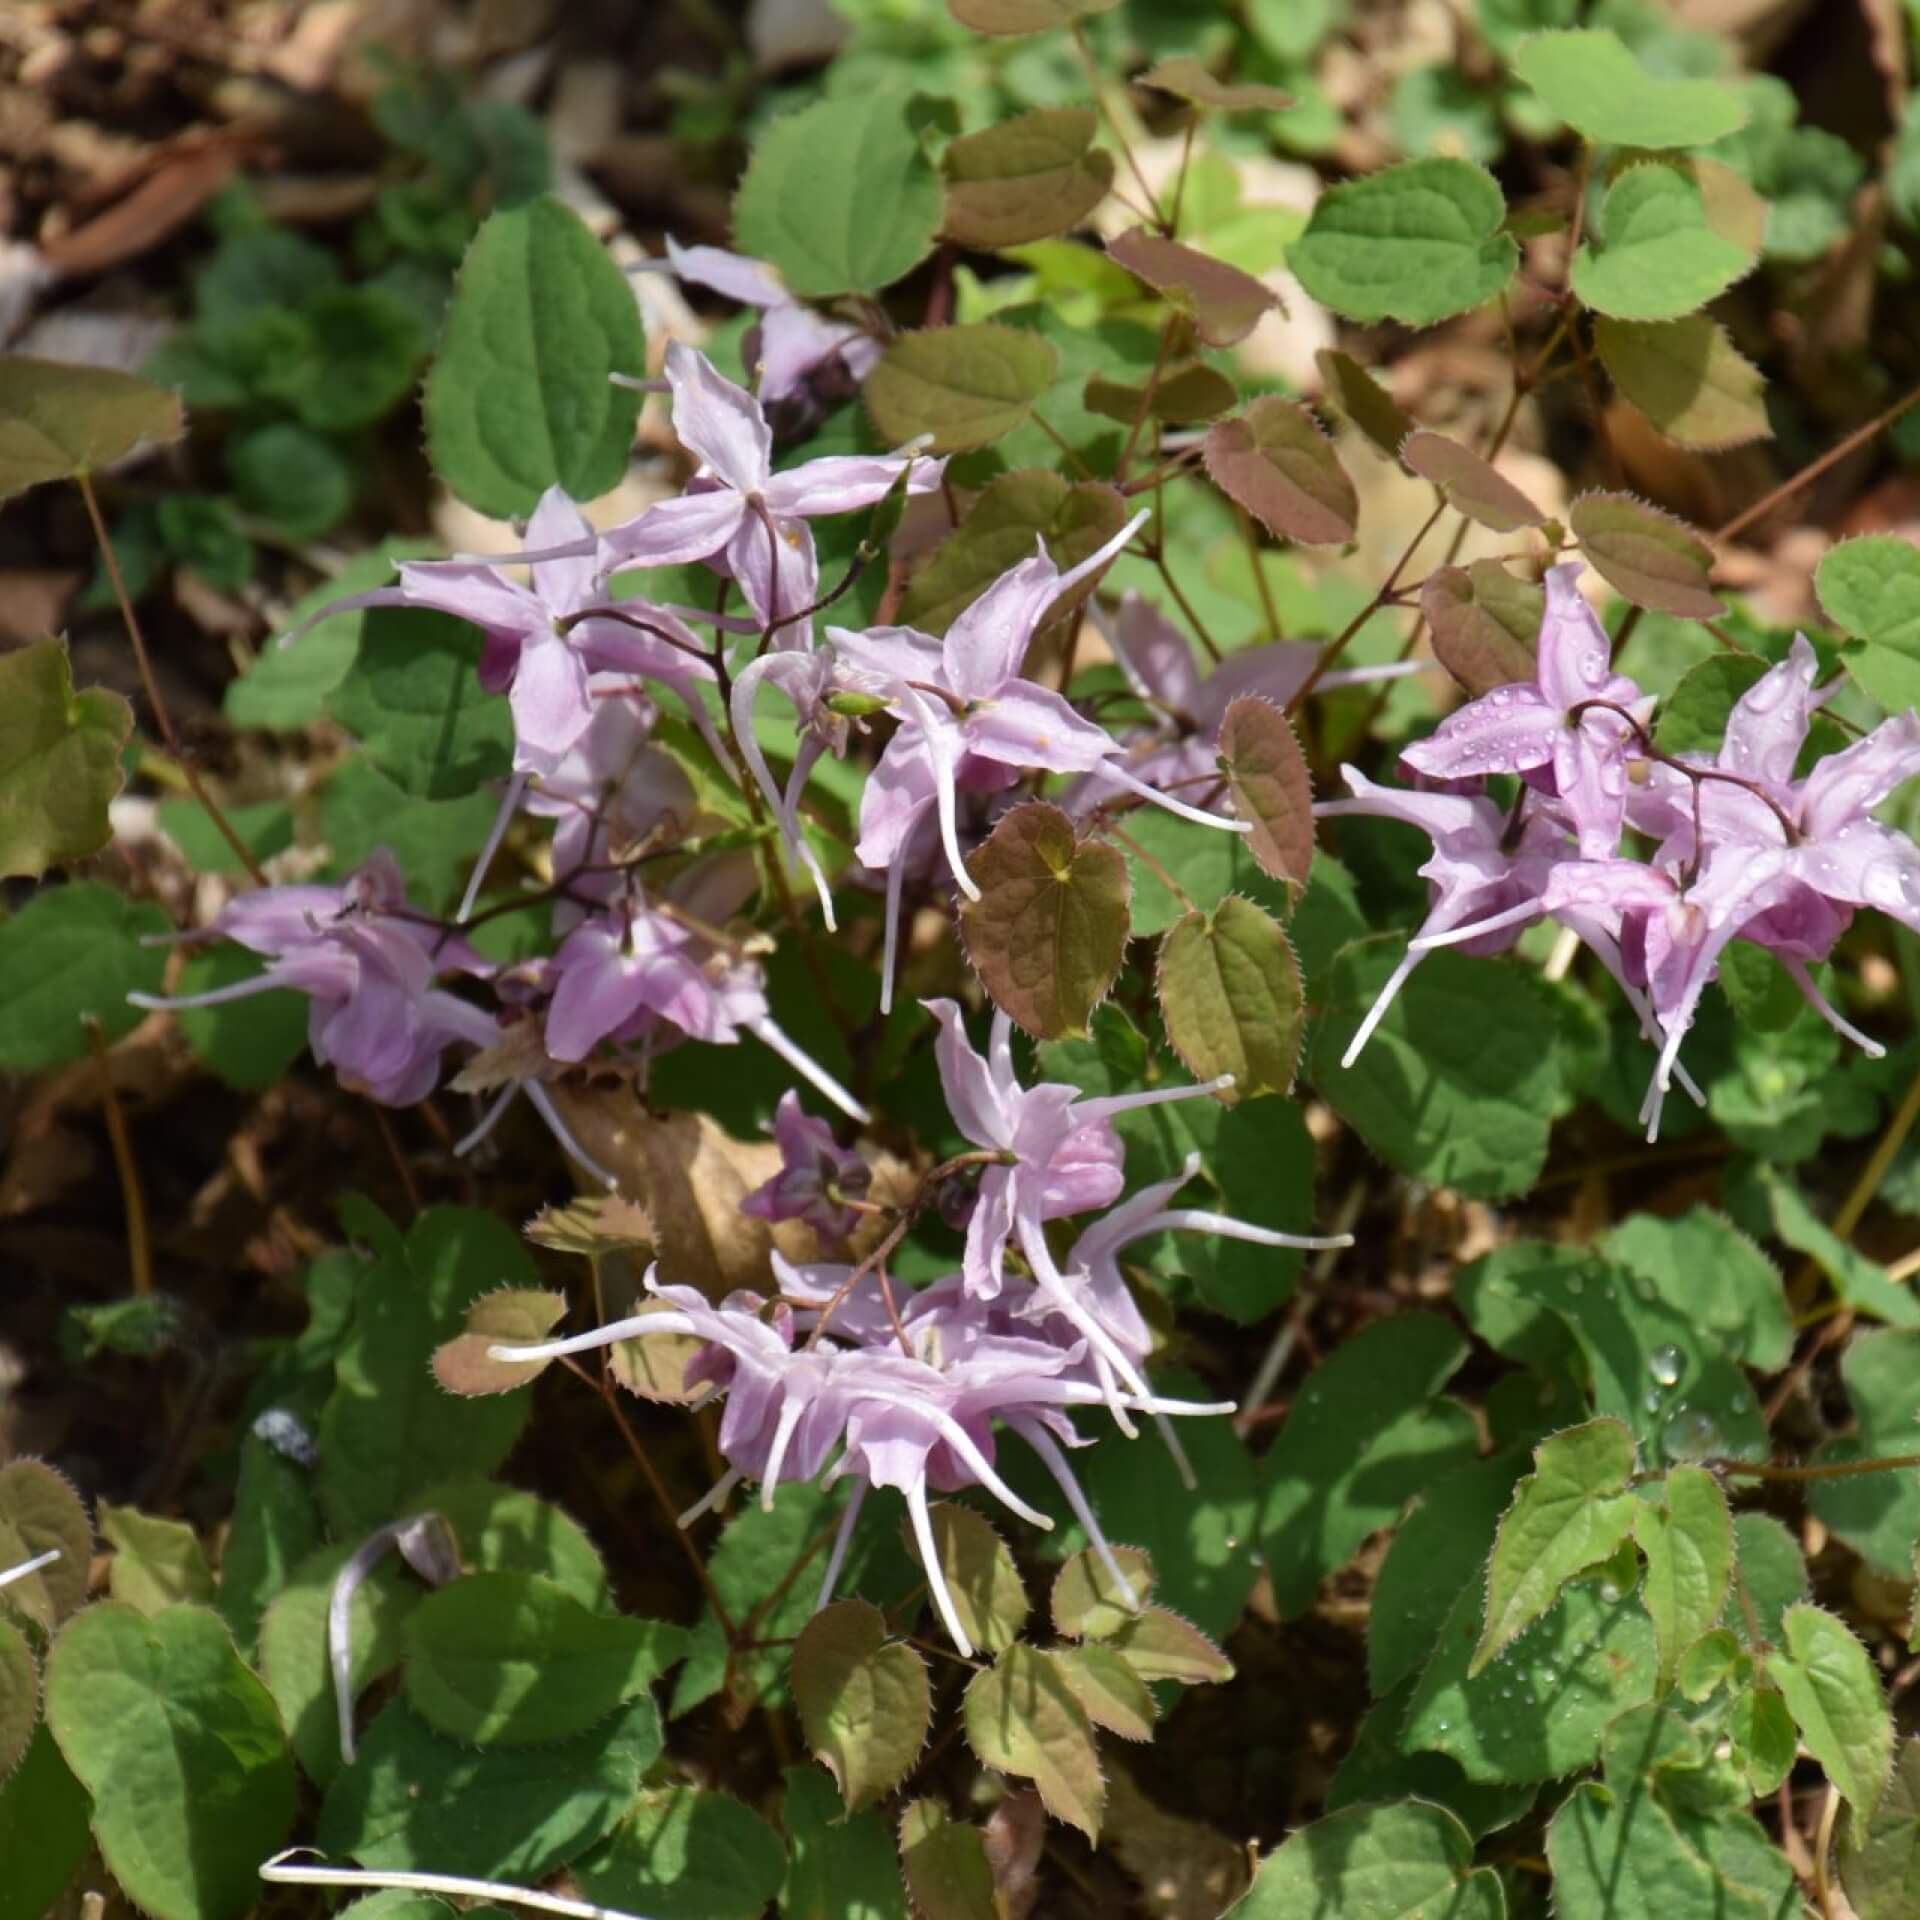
column 1652, row 1399
column 1665, row 1365
column 1690, row 1433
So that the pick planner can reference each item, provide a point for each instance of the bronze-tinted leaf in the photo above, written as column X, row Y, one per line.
column 1024, row 16
column 945, row 1865
column 60, row 764
column 511, row 1316
column 1230, row 993
column 1687, row 377
column 1049, row 931
column 1371, row 408
column 58, row 420
column 864, row 1700
column 1275, row 461
column 1001, row 529
column 1023, row 1718
column 984, row 1584
column 1652, row 558
column 1195, row 391
column 1187, row 79
column 1225, row 303
column 1162, row 1645
column 1110, row 1692
column 1471, row 484
column 1485, row 622
column 1271, row 787
column 41, row 1513
column 1026, row 179
column 1087, row 1601
column 963, row 386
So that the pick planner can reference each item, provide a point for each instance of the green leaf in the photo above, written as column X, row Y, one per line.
column 682, row 1853
column 1861, row 1282
column 1208, row 865
column 1365, row 1434
column 1880, row 1855
column 71, row 954
column 359, row 348
column 43, row 1830
column 1653, row 559
column 41, row 1513
column 388, row 1431
column 1688, row 1543
column 1688, row 378
column 840, row 196
column 965, row 386
column 502, row 1527
column 294, row 1642
column 1032, row 176
column 182, row 1751
column 510, row 1659
column 293, row 477
column 265, row 829
column 1224, row 304
column 1406, row 1862
column 1569, row 1514
column 1833, row 1691
column 1655, row 254
column 1230, row 993
column 985, row 1586
column 1702, row 1265
column 1419, row 242
column 1870, row 587
column 1364, row 400
column 58, row 420
column 156, row 1563
column 1484, row 624
column 60, row 761
column 843, row 1865
column 1160, row 1645
column 1540, row 1709
column 1764, row 1737
column 276, row 1525
column 19, row 1697
column 435, row 841
column 1458, row 1084
column 1693, row 718
column 1275, row 461
column 1111, row 1691
column 1438, row 1551
column 1472, row 485
column 1000, row 530
column 1049, row 930
column 1878, row 1514
column 1771, row 1570
column 286, row 687
column 945, row 1864
column 518, row 398
column 413, row 699
column 864, row 1700
column 1376, row 1768
column 1087, row 1604
column 248, row 1042
column 1023, row 1718
column 1024, row 16
column 414, row 1801
column 1595, row 84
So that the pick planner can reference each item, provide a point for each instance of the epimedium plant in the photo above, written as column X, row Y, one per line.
column 810, row 759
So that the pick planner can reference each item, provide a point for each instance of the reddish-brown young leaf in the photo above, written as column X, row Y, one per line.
column 1026, row 179
column 1226, row 304
column 1471, row 484
column 1275, row 461
column 1654, row 559
column 1484, row 623
column 1024, row 16
column 508, row 1316
column 1272, row 789
column 1049, row 931
column 1187, row 79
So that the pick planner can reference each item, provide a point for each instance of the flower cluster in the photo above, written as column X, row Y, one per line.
column 1741, row 849
column 839, row 1376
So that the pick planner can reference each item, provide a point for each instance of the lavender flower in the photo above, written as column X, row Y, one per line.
column 817, row 1175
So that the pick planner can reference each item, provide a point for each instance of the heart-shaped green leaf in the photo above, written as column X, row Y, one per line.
column 864, row 1700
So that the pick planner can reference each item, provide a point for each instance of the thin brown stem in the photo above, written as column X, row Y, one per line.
column 161, row 717
column 1811, row 472
column 1200, row 633
column 1827, row 1470
column 1092, row 70
column 132, row 1197
column 1145, row 407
